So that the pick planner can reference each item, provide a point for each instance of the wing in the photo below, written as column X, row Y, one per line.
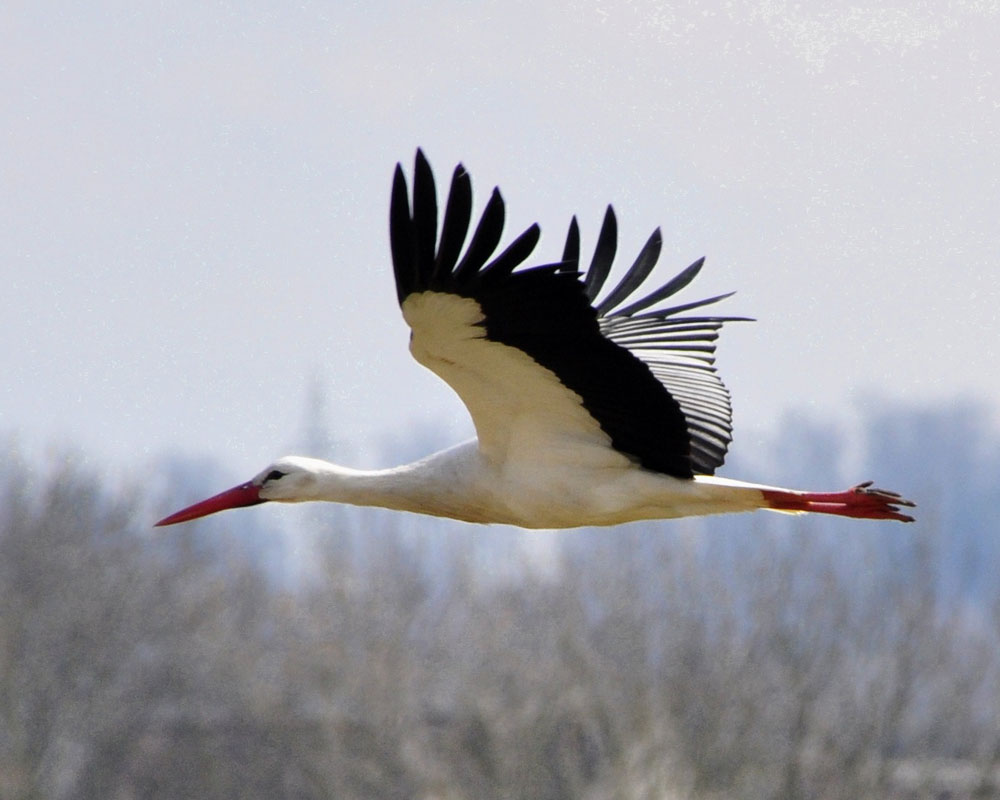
column 536, row 363
column 678, row 350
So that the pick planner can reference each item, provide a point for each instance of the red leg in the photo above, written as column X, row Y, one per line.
column 861, row 502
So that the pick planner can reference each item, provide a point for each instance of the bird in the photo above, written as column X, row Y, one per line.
column 591, row 407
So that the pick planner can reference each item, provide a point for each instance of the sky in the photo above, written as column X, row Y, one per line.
column 193, row 222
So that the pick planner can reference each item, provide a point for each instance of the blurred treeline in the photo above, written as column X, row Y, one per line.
column 755, row 657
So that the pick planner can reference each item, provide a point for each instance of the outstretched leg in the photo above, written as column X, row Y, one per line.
column 862, row 502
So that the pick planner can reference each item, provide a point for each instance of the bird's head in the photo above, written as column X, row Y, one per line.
column 288, row 480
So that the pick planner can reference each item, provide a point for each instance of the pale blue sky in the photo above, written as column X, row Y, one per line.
column 193, row 215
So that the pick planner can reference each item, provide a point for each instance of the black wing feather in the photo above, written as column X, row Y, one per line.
column 401, row 239
column 636, row 274
column 457, row 214
column 571, row 250
column 484, row 240
column 604, row 255
column 424, row 217
column 672, row 286
column 516, row 252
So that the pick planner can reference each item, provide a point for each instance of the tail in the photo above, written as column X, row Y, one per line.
column 860, row 502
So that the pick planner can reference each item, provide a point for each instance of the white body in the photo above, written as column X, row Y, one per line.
column 461, row 484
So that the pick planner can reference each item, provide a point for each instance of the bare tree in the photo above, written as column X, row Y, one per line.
column 650, row 661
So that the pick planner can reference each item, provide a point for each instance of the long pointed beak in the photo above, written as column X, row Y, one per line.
column 246, row 494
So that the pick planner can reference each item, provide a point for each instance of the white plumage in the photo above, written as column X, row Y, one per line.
column 586, row 412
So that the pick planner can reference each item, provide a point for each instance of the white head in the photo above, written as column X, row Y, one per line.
column 292, row 479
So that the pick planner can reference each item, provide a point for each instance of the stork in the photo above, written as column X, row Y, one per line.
column 590, row 407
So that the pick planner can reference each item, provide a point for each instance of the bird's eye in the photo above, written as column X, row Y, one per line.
column 274, row 475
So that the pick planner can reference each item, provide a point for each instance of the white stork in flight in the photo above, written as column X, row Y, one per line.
column 590, row 408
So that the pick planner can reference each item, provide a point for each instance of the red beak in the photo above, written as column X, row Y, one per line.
column 246, row 494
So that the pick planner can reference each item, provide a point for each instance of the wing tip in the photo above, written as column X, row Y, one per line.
column 423, row 259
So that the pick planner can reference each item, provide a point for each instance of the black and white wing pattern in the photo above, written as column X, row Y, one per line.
column 543, row 367
column 679, row 350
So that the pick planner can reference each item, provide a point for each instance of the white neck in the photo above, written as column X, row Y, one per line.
column 400, row 488
column 445, row 484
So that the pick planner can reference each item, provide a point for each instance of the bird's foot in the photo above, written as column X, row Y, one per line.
column 861, row 502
